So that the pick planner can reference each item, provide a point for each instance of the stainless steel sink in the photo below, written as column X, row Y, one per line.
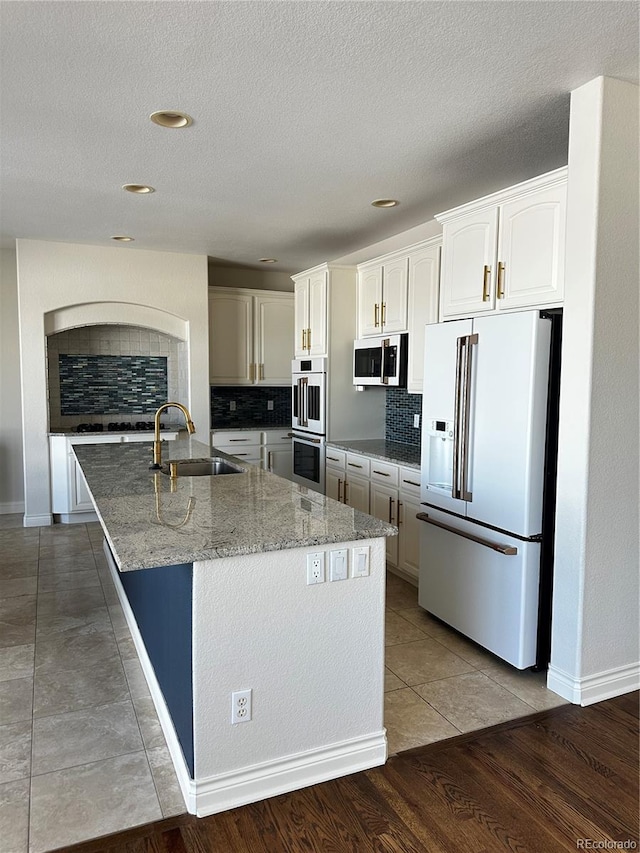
column 201, row 467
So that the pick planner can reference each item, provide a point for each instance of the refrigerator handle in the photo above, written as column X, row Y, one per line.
column 465, row 494
column 507, row 550
column 457, row 419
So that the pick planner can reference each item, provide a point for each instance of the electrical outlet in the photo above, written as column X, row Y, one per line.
column 241, row 706
column 232, row 405
column 269, row 405
column 360, row 562
column 339, row 564
column 416, row 421
column 315, row 567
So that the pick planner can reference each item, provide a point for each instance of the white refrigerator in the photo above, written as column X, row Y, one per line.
column 484, row 452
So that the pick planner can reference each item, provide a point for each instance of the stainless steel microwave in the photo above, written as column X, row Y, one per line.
column 381, row 361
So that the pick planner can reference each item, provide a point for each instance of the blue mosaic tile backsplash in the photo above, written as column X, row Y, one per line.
column 112, row 384
column 400, row 409
column 251, row 407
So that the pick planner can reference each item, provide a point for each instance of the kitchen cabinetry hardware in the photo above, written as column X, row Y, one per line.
column 238, row 439
column 354, row 464
column 269, row 459
column 333, row 458
column 346, row 494
column 485, row 283
column 382, row 473
column 261, row 371
column 500, row 293
column 340, row 490
column 304, row 339
column 309, row 339
column 391, row 502
column 376, row 321
column 411, row 483
column 400, row 514
column 384, row 313
column 507, row 550
column 251, row 377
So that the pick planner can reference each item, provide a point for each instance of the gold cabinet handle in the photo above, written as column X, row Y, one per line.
column 384, row 313
column 376, row 311
column 500, row 280
column 304, row 339
column 309, row 339
column 486, row 283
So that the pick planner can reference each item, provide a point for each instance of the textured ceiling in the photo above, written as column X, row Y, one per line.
column 304, row 112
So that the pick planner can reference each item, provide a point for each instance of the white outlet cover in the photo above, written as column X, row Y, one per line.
column 315, row 568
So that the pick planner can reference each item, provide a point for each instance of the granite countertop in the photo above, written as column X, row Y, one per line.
column 251, row 428
column 207, row 517
column 150, row 432
column 378, row 448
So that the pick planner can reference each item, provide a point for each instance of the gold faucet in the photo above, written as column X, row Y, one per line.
column 157, row 444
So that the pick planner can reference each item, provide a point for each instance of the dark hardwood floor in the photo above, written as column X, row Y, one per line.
column 534, row 785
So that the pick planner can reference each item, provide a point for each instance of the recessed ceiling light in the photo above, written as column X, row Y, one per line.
column 140, row 189
column 122, row 238
column 268, row 260
column 171, row 118
column 385, row 202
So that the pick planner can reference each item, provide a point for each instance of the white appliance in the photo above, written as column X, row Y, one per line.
column 487, row 440
column 381, row 361
column 309, row 390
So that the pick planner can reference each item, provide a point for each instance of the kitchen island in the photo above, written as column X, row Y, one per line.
column 212, row 573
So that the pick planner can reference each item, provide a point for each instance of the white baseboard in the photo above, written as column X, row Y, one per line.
column 405, row 574
column 45, row 520
column 11, row 507
column 76, row 517
column 250, row 784
column 594, row 688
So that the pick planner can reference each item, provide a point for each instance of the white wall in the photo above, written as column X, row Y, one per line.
column 11, row 486
column 254, row 279
column 595, row 650
column 52, row 276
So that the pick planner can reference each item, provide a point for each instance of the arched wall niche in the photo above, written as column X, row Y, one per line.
column 115, row 313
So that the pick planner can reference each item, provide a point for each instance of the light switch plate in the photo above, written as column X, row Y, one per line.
column 360, row 562
column 339, row 564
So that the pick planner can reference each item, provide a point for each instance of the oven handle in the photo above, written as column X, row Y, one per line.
column 305, row 438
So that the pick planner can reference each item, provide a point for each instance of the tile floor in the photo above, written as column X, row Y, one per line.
column 82, row 753
column 438, row 684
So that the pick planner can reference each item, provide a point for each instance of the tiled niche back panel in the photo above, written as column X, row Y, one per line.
column 116, row 341
column 400, row 409
column 112, row 384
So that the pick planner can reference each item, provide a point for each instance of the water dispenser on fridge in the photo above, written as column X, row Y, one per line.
column 438, row 464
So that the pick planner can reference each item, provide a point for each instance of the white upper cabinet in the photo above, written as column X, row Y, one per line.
column 505, row 251
column 424, row 280
column 250, row 336
column 310, row 333
column 382, row 297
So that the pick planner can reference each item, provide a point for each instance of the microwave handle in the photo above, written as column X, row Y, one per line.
column 384, row 378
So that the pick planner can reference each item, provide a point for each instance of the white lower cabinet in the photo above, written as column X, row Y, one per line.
column 70, row 498
column 385, row 490
column 271, row 449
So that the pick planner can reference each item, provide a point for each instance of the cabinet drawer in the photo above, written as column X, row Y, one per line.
column 336, row 458
column 248, row 453
column 276, row 436
column 235, row 438
column 410, row 481
column 358, row 465
column 384, row 472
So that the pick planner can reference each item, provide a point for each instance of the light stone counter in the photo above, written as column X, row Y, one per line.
column 206, row 518
column 378, row 448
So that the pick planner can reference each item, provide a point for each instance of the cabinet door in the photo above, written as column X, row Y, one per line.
column 424, row 279
column 230, row 338
column 277, row 459
column 79, row 497
column 273, row 329
column 384, row 505
column 301, row 297
column 370, row 302
column 531, row 249
column 357, row 493
column 394, row 296
column 334, row 484
column 317, row 334
column 409, row 535
column 468, row 264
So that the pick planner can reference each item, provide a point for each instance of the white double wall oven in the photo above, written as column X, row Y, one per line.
column 309, row 421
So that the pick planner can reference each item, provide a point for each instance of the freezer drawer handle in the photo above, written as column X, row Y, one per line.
column 507, row 550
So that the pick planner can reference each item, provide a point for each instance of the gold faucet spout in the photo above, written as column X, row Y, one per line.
column 157, row 443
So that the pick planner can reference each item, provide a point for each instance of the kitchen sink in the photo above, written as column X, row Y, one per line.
column 202, row 467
